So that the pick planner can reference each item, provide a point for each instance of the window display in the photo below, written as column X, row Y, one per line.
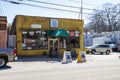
column 72, row 41
column 34, row 39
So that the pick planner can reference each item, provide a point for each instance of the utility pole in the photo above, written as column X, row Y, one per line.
column 81, row 11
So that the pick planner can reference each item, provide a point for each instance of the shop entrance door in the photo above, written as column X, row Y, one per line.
column 53, row 47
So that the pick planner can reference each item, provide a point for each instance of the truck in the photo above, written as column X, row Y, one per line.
column 100, row 40
column 7, row 55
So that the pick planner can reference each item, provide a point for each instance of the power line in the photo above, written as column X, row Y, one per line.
column 50, row 4
column 83, row 2
column 18, row 3
column 64, row 6
column 54, row 4
column 59, row 4
column 40, row 6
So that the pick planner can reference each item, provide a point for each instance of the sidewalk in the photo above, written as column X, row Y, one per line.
column 113, row 56
column 37, row 58
column 40, row 58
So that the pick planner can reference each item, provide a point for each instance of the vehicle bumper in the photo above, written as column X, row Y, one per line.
column 15, row 58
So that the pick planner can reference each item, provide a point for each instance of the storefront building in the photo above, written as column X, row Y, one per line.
column 46, row 36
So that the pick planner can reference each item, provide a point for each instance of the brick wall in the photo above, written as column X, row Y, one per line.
column 3, row 39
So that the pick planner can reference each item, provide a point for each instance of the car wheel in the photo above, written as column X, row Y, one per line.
column 93, row 51
column 3, row 62
column 107, row 52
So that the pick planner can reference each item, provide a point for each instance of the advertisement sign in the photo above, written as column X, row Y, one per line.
column 67, row 57
column 54, row 23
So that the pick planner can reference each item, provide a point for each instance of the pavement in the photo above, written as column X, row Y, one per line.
column 38, row 58
column 98, row 57
column 89, row 57
column 97, row 67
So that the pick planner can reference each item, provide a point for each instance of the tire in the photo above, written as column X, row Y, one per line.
column 93, row 51
column 3, row 62
column 108, row 52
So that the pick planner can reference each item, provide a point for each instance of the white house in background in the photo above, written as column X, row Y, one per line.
column 12, row 41
column 101, row 40
column 90, row 39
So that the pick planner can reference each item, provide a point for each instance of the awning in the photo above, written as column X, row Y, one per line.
column 57, row 33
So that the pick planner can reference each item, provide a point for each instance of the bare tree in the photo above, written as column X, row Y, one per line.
column 107, row 18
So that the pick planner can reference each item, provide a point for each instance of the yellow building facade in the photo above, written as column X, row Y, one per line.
column 46, row 36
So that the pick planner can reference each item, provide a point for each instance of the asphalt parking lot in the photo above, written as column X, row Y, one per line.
column 97, row 67
column 99, row 57
column 89, row 57
column 43, row 61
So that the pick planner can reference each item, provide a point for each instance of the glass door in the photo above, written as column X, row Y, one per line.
column 53, row 47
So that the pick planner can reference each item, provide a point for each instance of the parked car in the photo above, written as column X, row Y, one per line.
column 7, row 55
column 118, row 47
column 112, row 45
column 99, row 48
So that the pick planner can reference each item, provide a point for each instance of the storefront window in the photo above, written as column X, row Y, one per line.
column 34, row 39
column 72, row 41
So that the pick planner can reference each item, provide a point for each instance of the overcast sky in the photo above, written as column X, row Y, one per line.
column 42, row 9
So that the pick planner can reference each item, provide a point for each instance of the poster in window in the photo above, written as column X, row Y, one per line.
column 31, row 32
column 72, row 33
column 24, row 32
column 76, row 33
column 37, row 31
column 27, row 40
column 54, row 23
column 43, row 32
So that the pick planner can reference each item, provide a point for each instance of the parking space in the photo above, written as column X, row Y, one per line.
column 89, row 57
column 24, row 64
column 102, row 57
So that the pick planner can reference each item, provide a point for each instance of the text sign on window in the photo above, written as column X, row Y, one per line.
column 54, row 23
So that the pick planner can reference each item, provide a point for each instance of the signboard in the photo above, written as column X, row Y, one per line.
column 27, row 40
column 67, row 57
column 54, row 23
column 83, row 56
column 36, row 26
